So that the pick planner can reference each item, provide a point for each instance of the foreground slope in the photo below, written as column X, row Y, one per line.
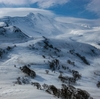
column 36, row 54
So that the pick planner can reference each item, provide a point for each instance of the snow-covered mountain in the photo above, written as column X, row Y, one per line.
column 34, row 24
column 39, row 24
column 49, row 53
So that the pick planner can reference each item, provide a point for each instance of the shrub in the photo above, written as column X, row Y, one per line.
column 54, row 64
column 28, row 71
column 98, row 84
column 83, row 58
column 22, row 80
column 47, row 71
column 76, row 74
column 9, row 48
column 36, row 84
column 71, row 63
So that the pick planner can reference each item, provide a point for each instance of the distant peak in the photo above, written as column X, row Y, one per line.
column 31, row 15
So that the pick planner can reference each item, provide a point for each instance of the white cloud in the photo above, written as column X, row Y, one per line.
column 41, row 3
column 22, row 11
column 14, row 2
column 94, row 6
column 50, row 3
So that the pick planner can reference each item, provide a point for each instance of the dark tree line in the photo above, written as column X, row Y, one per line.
column 66, row 91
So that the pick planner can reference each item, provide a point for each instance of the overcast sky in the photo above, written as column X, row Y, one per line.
column 75, row 8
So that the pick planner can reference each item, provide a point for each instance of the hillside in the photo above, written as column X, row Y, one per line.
column 42, row 55
column 11, row 34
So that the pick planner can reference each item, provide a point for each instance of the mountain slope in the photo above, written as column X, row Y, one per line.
column 59, row 52
column 11, row 34
column 36, row 53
